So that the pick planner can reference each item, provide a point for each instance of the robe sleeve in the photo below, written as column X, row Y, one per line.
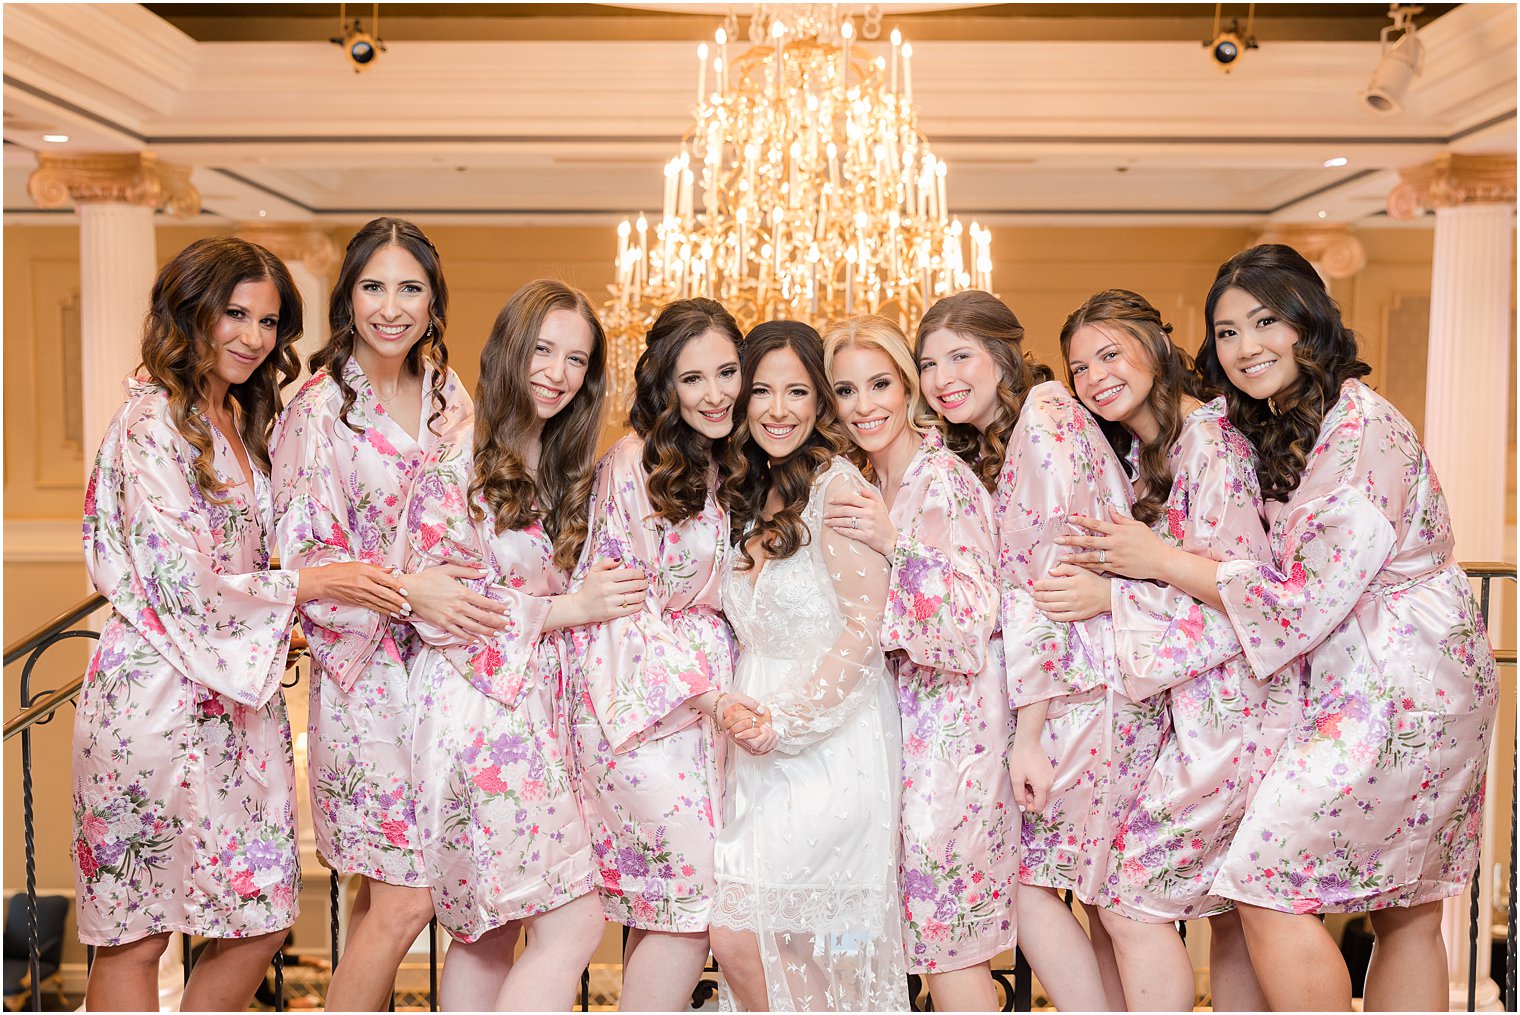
column 829, row 691
column 312, row 528
column 1333, row 546
column 441, row 531
column 1050, row 475
column 1162, row 636
column 942, row 599
column 639, row 670
column 149, row 548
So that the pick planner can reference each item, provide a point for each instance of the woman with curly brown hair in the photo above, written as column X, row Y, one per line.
column 806, row 917
column 1373, row 803
column 183, row 778
column 1194, row 478
column 503, row 842
column 1081, row 748
column 641, row 686
column 346, row 454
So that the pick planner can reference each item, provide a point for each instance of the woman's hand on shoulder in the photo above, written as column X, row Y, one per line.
column 859, row 512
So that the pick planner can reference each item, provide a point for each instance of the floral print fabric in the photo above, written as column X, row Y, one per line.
column 1376, row 798
column 184, row 816
column 960, row 824
column 341, row 495
column 499, row 828
column 645, row 759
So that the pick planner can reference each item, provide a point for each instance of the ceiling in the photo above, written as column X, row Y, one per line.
column 566, row 113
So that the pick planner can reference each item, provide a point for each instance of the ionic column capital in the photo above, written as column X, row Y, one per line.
column 134, row 178
column 1333, row 248
column 1451, row 180
column 295, row 243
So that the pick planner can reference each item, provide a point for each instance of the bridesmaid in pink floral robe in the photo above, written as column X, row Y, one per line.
column 1082, row 749
column 1374, row 802
column 933, row 521
column 643, row 686
column 183, row 777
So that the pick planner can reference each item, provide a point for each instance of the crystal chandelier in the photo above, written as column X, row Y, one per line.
column 820, row 197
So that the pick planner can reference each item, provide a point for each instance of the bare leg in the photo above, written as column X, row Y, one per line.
column 1153, row 963
column 558, row 945
column 1058, row 951
column 738, row 955
column 125, row 977
column 229, row 971
column 1299, row 942
column 660, row 969
column 968, row 989
column 375, row 948
column 1108, row 963
column 1232, row 979
column 1408, row 967
column 473, row 972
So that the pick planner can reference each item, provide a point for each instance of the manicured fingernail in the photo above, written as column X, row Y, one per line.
column 403, row 591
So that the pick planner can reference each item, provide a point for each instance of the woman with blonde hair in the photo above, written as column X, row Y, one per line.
column 933, row 521
column 502, row 839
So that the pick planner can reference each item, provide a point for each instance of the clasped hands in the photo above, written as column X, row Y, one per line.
column 746, row 721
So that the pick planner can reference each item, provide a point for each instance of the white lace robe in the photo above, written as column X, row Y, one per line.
column 807, row 857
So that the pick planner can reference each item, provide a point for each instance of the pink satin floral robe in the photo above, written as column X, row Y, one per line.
column 1101, row 744
column 1375, row 800
column 644, row 755
column 342, row 496
column 184, row 787
column 1224, row 721
column 501, row 833
column 960, row 823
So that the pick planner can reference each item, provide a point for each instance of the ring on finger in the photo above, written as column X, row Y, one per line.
column 1102, row 556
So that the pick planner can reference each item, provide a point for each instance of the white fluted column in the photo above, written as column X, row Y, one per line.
column 1466, row 414
column 312, row 257
column 115, row 197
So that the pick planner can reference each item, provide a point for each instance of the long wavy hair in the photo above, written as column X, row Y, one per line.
column 988, row 319
column 189, row 297
column 676, row 457
column 1285, row 427
column 748, row 475
column 559, row 492
column 872, row 331
column 1150, row 347
column 376, row 235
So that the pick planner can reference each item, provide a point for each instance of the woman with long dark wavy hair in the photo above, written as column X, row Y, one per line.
column 1081, row 748
column 1194, row 478
column 184, row 785
column 504, row 845
column 806, row 917
column 1373, row 803
column 346, row 454
column 932, row 519
column 644, row 687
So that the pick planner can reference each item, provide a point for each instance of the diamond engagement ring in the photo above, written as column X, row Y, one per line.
column 1102, row 556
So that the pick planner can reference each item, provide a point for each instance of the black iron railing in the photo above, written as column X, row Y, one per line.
column 38, row 708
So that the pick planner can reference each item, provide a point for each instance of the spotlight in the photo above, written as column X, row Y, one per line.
column 1402, row 62
column 1226, row 47
column 361, row 47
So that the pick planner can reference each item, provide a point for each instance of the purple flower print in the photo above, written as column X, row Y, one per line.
column 262, row 854
column 912, row 572
column 631, row 863
column 507, row 748
column 918, row 885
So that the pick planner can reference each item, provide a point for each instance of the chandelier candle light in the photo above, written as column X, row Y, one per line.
column 820, row 197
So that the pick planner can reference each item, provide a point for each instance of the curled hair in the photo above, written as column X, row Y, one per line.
column 506, row 421
column 179, row 352
column 1284, row 428
column 748, row 475
column 1173, row 377
column 376, row 235
column 988, row 319
column 872, row 331
column 676, row 457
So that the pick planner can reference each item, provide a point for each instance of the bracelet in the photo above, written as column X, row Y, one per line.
column 717, row 709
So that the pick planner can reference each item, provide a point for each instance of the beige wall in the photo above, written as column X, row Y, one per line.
column 1042, row 272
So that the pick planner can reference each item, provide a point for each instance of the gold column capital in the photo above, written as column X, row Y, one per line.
column 1331, row 246
column 127, row 178
column 1451, row 180
column 296, row 242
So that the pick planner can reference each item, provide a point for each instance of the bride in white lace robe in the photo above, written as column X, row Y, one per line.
column 807, row 857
